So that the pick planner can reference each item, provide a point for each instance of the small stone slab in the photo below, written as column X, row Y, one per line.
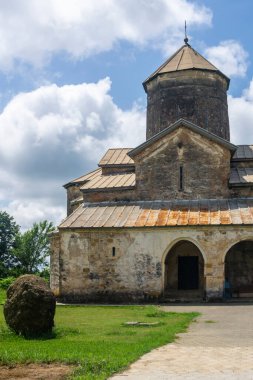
column 135, row 323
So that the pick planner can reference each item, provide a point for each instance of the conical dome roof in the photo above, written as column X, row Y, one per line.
column 186, row 58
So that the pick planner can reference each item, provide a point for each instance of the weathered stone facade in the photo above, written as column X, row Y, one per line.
column 171, row 218
column 205, row 166
column 89, row 271
column 194, row 95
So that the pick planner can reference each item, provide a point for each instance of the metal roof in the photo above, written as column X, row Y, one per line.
column 183, row 123
column 84, row 178
column 185, row 58
column 103, row 182
column 241, row 176
column 161, row 214
column 243, row 152
column 116, row 157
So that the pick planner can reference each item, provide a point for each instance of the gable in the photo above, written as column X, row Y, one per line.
column 161, row 138
column 182, row 164
column 183, row 144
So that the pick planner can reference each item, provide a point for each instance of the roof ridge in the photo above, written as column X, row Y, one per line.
column 185, row 62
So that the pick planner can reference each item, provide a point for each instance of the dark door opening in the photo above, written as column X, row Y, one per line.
column 188, row 272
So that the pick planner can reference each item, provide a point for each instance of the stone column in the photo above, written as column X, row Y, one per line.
column 214, row 280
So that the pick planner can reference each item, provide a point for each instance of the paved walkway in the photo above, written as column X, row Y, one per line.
column 218, row 346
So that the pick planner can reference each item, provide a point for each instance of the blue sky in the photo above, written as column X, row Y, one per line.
column 71, row 76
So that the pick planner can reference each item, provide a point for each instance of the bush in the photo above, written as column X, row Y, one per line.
column 6, row 282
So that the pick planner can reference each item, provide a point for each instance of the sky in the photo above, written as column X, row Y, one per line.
column 71, row 74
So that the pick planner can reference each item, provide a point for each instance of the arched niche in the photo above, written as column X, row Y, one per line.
column 239, row 270
column 184, row 271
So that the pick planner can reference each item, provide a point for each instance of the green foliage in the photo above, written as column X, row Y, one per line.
column 6, row 282
column 95, row 339
column 32, row 251
column 8, row 241
column 2, row 296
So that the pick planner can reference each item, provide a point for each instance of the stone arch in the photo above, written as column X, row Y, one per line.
column 246, row 238
column 183, row 265
column 238, row 270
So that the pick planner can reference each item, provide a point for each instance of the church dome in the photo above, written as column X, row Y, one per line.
column 187, row 86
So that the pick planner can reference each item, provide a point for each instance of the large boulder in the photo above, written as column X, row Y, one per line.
column 30, row 306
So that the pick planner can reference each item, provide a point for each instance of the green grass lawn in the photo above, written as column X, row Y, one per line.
column 95, row 338
column 2, row 296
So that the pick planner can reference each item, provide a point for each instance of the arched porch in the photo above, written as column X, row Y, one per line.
column 239, row 270
column 184, row 272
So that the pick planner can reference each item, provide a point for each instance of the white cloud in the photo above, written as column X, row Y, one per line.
column 26, row 213
column 53, row 134
column 32, row 31
column 229, row 57
column 241, row 117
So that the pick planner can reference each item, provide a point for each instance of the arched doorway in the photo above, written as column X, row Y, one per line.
column 184, row 271
column 239, row 270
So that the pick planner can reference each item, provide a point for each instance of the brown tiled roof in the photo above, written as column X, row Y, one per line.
column 116, row 157
column 241, row 176
column 102, row 182
column 161, row 214
column 84, row 178
column 184, row 59
column 243, row 152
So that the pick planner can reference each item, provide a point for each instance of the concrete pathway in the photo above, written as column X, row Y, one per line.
column 219, row 345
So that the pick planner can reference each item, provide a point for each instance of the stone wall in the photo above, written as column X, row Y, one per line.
column 73, row 192
column 91, row 270
column 194, row 95
column 109, row 195
column 205, row 165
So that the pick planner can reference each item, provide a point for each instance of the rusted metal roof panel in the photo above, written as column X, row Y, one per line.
column 162, row 214
column 153, row 215
column 204, row 213
column 214, row 213
column 143, row 217
column 225, row 217
column 235, row 213
column 194, row 213
column 116, row 157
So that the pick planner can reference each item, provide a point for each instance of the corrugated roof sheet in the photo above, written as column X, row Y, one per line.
column 184, row 59
column 115, row 157
column 243, row 152
column 87, row 177
column 241, row 176
column 162, row 214
column 125, row 180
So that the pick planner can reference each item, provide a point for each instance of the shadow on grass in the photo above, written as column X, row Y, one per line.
column 7, row 333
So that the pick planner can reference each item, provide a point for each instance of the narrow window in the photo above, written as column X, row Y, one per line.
column 181, row 178
column 113, row 251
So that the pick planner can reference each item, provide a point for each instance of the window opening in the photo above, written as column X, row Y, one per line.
column 181, row 178
column 113, row 251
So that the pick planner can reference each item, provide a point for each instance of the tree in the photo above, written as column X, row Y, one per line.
column 9, row 231
column 33, row 249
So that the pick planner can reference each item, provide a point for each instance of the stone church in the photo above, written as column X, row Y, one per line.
column 171, row 218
